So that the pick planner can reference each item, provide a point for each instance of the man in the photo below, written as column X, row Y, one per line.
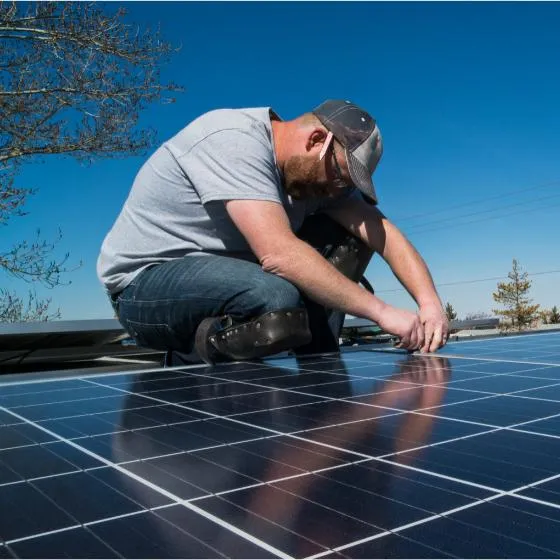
column 245, row 235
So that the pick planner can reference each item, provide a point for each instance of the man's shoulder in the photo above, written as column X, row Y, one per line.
column 231, row 118
column 251, row 121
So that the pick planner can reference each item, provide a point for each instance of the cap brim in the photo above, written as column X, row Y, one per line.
column 361, row 177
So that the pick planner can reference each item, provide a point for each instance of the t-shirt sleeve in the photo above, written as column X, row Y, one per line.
column 232, row 164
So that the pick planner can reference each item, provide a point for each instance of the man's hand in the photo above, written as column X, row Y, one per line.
column 436, row 327
column 404, row 324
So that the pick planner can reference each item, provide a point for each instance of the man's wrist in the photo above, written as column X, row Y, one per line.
column 377, row 309
column 430, row 302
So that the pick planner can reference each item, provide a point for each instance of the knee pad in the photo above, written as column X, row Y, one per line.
column 270, row 333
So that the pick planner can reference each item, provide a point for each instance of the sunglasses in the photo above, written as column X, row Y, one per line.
column 339, row 181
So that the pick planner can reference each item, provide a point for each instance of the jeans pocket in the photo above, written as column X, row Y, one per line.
column 158, row 336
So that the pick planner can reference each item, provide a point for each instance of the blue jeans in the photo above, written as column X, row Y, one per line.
column 162, row 307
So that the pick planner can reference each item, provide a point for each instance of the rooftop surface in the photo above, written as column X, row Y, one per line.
column 367, row 453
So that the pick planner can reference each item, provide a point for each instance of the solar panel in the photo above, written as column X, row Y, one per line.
column 56, row 340
column 367, row 453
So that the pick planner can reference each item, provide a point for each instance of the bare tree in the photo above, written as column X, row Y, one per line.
column 474, row 315
column 73, row 81
column 13, row 308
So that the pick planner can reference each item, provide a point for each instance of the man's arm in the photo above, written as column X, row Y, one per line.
column 266, row 228
column 369, row 224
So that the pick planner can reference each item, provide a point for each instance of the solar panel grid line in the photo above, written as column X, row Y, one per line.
column 478, row 359
column 273, row 432
column 397, row 530
column 182, row 405
column 408, row 383
column 149, row 406
column 180, row 423
column 515, row 394
column 85, row 374
column 517, row 374
column 336, row 424
column 308, row 372
column 157, row 370
column 525, row 371
column 332, row 509
column 105, row 519
column 294, row 434
column 73, row 416
column 388, row 455
column 418, row 412
column 23, row 446
column 368, row 378
column 437, row 516
column 474, row 400
column 369, row 457
column 540, row 434
column 171, row 454
column 555, row 371
column 478, row 485
column 283, row 479
column 36, row 478
column 126, row 463
column 267, row 482
column 382, row 533
column 534, row 500
column 44, row 534
column 88, row 524
column 291, row 435
column 458, row 383
column 500, row 360
column 175, row 498
column 242, row 534
column 537, row 433
column 99, row 397
column 396, row 412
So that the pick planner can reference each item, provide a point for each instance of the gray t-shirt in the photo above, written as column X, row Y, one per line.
column 176, row 205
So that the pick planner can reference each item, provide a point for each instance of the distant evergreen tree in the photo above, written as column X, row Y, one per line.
column 554, row 316
column 519, row 313
column 450, row 312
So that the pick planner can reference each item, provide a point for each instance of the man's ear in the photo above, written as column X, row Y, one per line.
column 316, row 139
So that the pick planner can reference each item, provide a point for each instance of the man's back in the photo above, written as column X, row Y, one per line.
column 170, row 211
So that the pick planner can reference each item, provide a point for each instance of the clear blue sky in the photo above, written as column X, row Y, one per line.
column 466, row 96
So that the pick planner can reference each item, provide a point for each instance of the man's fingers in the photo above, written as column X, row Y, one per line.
column 413, row 340
column 445, row 336
column 428, row 334
column 421, row 336
column 404, row 341
column 437, row 339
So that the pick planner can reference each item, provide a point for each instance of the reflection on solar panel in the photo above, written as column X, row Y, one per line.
column 362, row 454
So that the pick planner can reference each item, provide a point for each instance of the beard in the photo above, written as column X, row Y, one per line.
column 301, row 179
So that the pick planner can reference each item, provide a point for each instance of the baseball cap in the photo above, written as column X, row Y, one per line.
column 359, row 134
